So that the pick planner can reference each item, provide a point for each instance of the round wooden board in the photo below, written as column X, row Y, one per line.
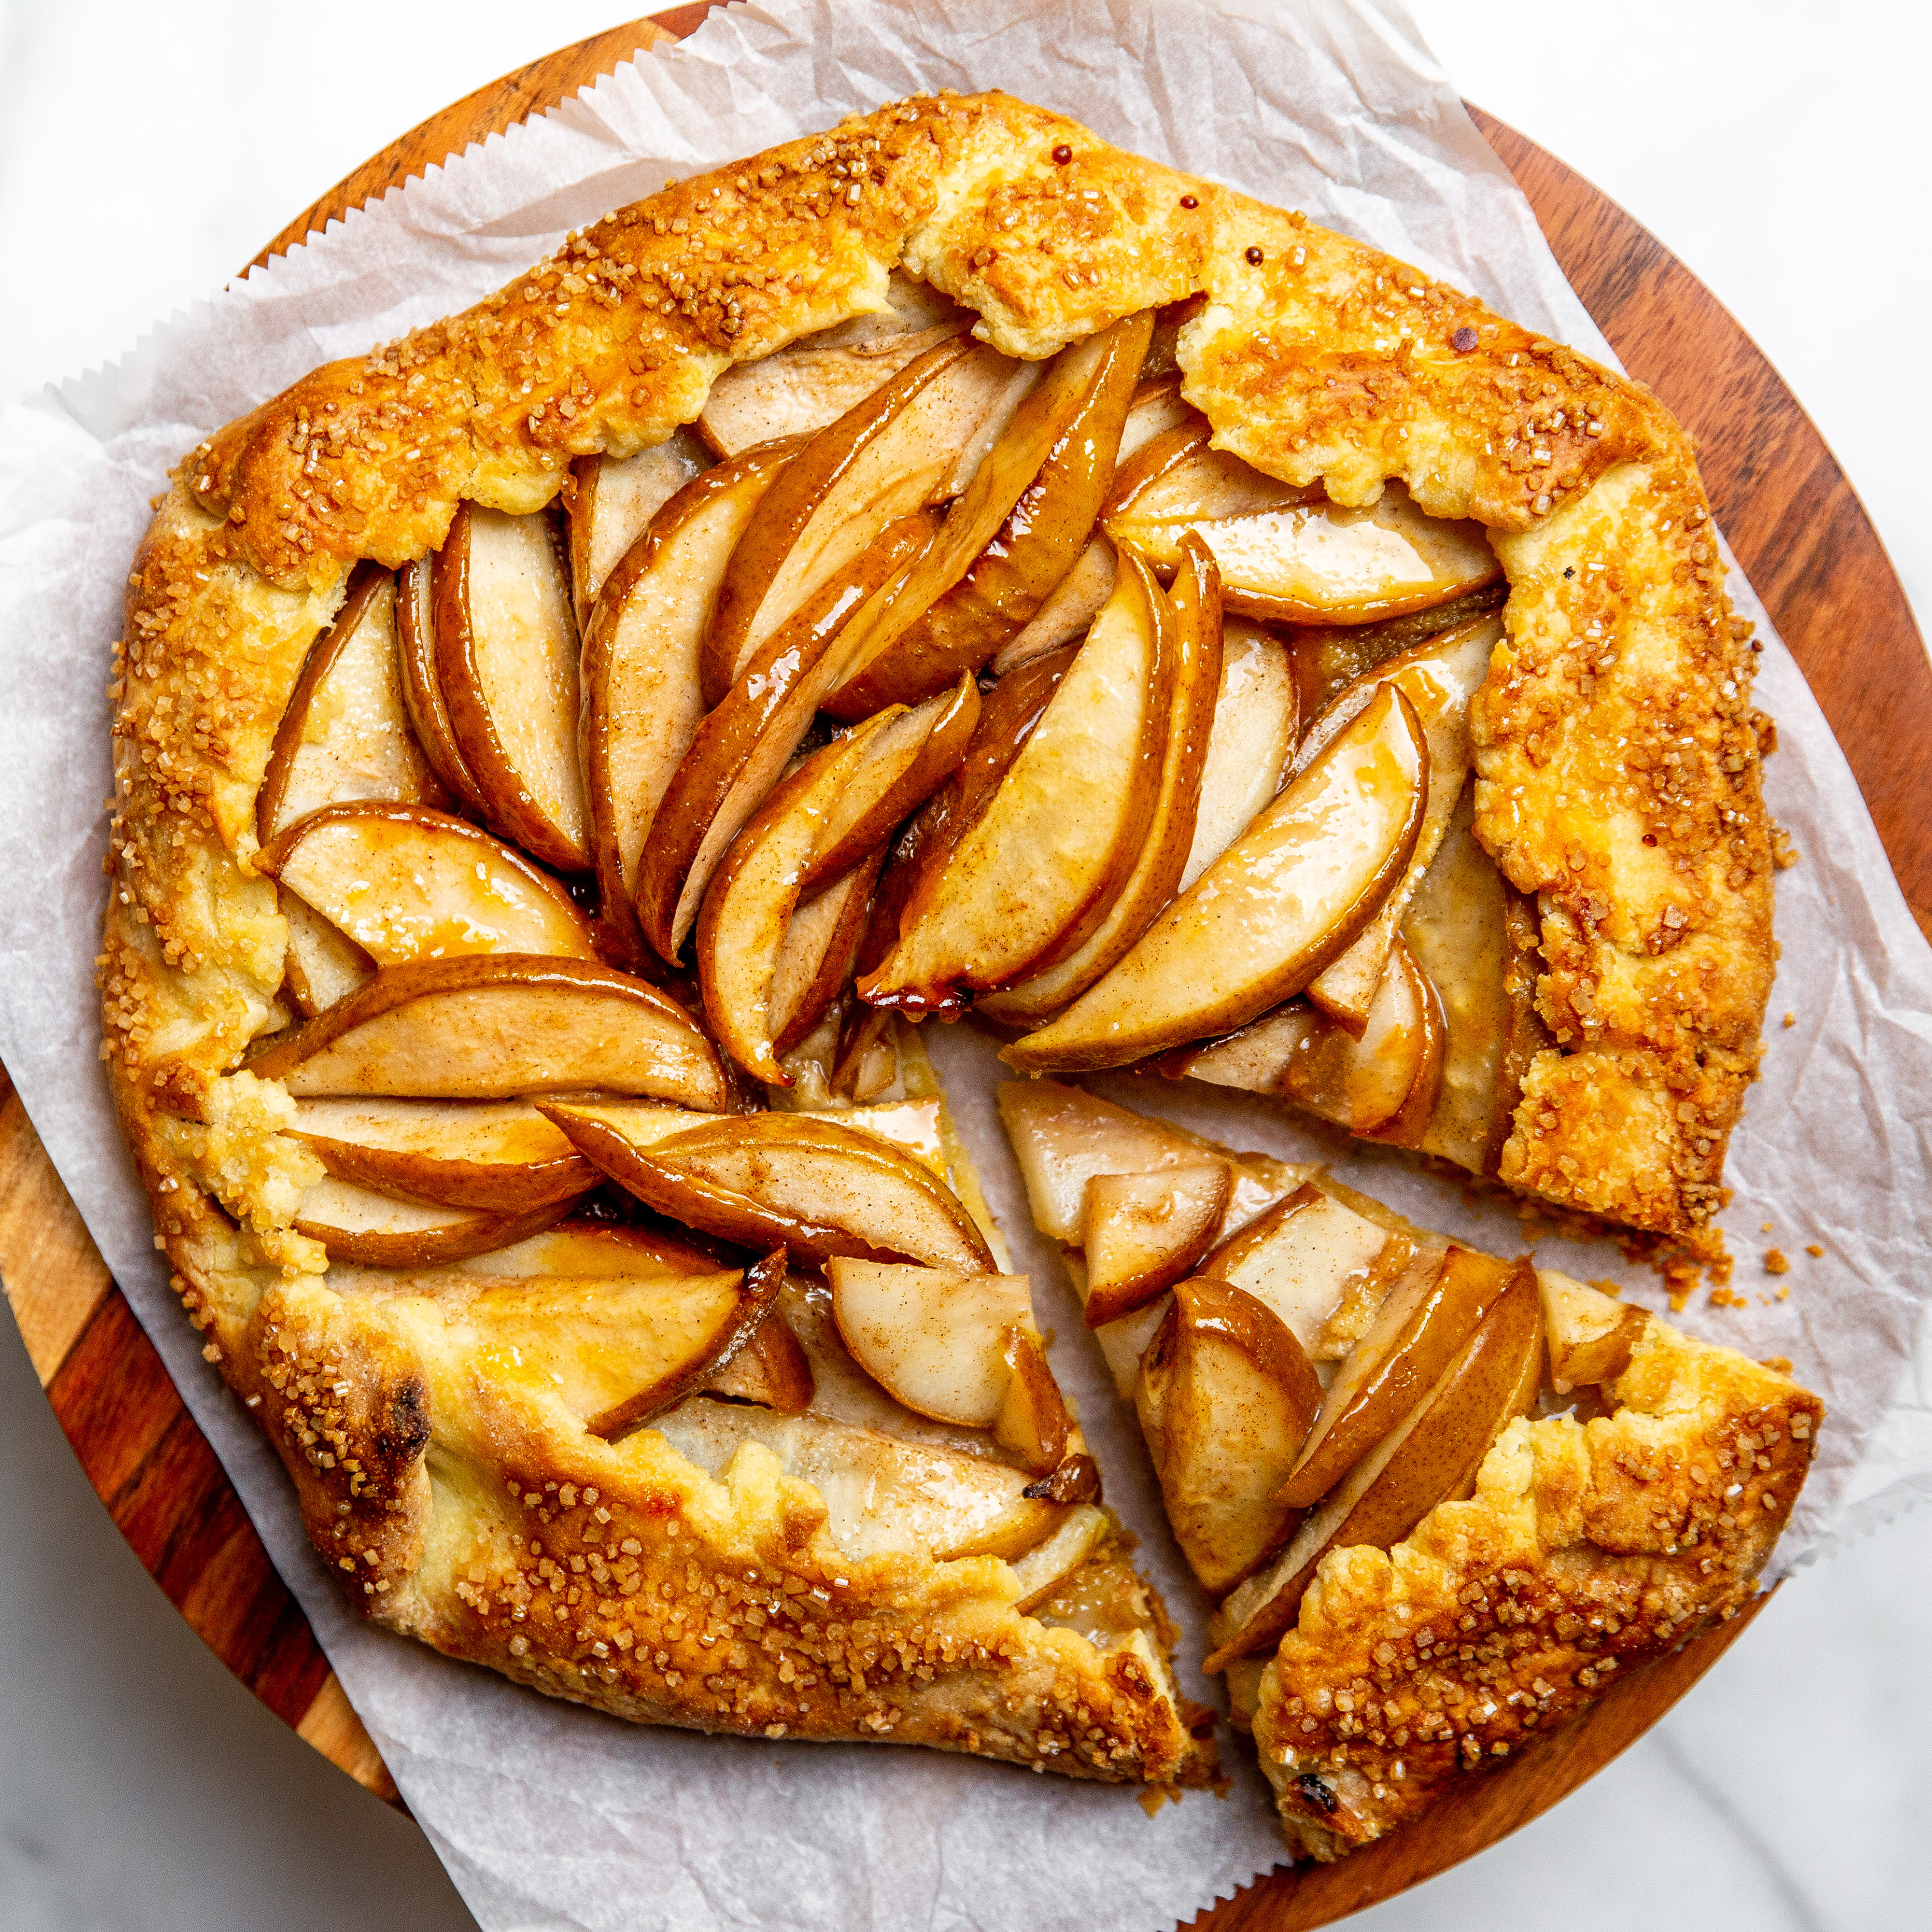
column 1801, row 536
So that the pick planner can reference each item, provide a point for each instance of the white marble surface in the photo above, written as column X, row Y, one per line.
column 146, row 150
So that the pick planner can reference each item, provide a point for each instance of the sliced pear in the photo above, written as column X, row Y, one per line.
column 1045, row 1568
column 1010, row 538
column 1175, row 444
column 1286, row 898
column 611, row 501
column 933, row 1338
column 1158, row 406
column 492, row 1027
column 811, row 383
column 1591, row 1335
column 1430, row 1457
column 1304, row 1259
column 501, row 1156
column 405, row 882
column 1063, row 1137
column 1225, row 1396
column 346, row 733
column 771, row 1369
column 357, row 1224
column 1314, row 561
column 1144, row 1232
column 1180, row 480
column 422, row 690
column 1439, row 678
column 743, row 745
column 892, row 454
column 1329, row 658
column 581, row 1249
column 1032, row 1423
column 1253, row 1059
column 818, row 957
column 322, row 965
column 1029, row 881
column 883, row 1494
column 1421, row 1329
column 1194, row 624
column 506, row 661
column 1069, row 612
column 1256, row 722
column 642, row 700
column 821, row 1188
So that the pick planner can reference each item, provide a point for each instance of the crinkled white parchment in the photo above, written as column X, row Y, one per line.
column 548, row 1816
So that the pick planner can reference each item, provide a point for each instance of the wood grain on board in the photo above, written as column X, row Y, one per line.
column 1801, row 536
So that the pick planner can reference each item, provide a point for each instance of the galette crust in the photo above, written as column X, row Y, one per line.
column 1314, row 357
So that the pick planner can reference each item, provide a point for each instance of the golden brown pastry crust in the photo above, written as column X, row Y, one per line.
column 1314, row 357
column 1587, row 1549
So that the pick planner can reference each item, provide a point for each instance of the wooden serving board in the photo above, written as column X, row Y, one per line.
column 1802, row 537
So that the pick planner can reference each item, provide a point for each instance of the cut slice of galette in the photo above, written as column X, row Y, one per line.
column 944, row 563
column 1442, row 1501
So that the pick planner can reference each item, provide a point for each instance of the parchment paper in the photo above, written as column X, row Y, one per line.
column 549, row 1817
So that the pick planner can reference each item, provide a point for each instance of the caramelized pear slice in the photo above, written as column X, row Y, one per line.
column 1253, row 1059
column 422, row 690
column 1201, row 486
column 1193, row 623
column 743, row 745
column 933, row 1338
column 821, row 1188
column 1032, row 1423
column 405, row 882
column 642, row 702
column 1591, row 1335
column 346, row 733
column 1256, row 722
column 1010, row 538
column 1226, row 1396
column 1316, row 562
column 1329, row 658
column 500, row 1155
column 771, row 1369
column 322, row 966
column 809, row 384
column 1287, row 897
column 494, row 1027
column 889, row 456
column 611, row 501
column 1044, row 1569
column 1144, row 1232
column 1383, row 1084
column 506, row 661
column 357, row 1224
column 1431, row 1456
column 1440, row 678
column 818, row 957
column 1069, row 612
column 1066, row 823
column 1416, row 1333
column 1063, row 1137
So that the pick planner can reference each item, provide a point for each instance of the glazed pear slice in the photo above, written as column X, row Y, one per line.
column 1030, row 881
column 1590, row 1336
column 1440, row 679
column 741, row 747
column 1329, row 658
column 593, row 1251
column 1430, row 1456
column 1010, row 537
column 405, row 882
column 611, row 501
column 322, row 966
column 1287, row 897
column 1033, row 1423
column 1178, row 478
column 811, row 383
column 1316, row 562
column 933, row 1338
column 1383, row 1086
column 500, row 1155
column 1257, row 721
column 506, row 662
column 346, row 733
column 642, row 702
column 835, row 808
column 1069, row 612
column 1225, row 1396
column 494, row 1027
column 891, row 455
column 1416, row 1333
column 818, row 957
column 1142, row 1232
column 1192, row 621
column 771, row 1369
column 422, row 689
column 821, row 1188
column 357, row 1224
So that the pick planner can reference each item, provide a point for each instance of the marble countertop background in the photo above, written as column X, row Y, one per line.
column 146, row 149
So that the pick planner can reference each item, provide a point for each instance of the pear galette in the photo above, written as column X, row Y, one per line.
column 1441, row 1499
column 945, row 562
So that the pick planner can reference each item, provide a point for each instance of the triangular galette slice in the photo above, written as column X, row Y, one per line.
column 1441, row 1500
